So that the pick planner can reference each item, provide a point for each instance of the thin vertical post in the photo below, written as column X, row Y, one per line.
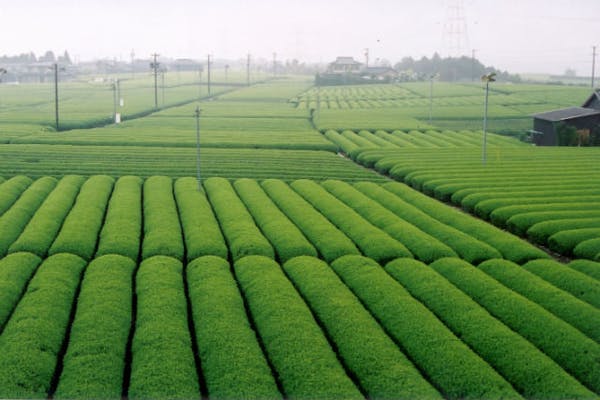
column 208, row 74
column 56, row 95
column 485, row 112
column 431, row 99
column 198, row 148
column 154, row 66
column 248, row 70
column 593, row 67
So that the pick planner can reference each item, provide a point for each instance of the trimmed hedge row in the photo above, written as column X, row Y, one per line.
column 511, row 247
column 233, row 364
column 530, row 371
column 565, row 242
column 33, row 337
column 79, row 233
column 123, row 224
column 590, row 268
column 329, row 240
column 346, row 145
column 372, row 241
column 162, row 230
column 588, row 249
column 201, row 230
column 541, row 232
column 242, row 235
column 419, row 243
column 306, row 365
column 13, row 221
column 162, row 365
column 285, row 237
column 485, row 207
column 94, row 364
column 565, row 278
column 373, row 358
column 467, row 247
column 572, row 350
column 520, row 223
column 448, row 363
column 43, row 227
column 15, row 272
column 501, row 215
column 11, row 189
column 560, row 303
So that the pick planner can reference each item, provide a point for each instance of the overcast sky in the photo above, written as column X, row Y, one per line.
column 518, row 35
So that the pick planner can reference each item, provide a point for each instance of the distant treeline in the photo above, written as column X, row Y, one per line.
column 28, row 58
column 449, row 69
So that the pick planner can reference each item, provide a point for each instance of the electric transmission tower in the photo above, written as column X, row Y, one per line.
column 456, row 36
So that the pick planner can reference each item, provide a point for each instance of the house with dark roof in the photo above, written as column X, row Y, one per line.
column 585, row 120
column 343, row 65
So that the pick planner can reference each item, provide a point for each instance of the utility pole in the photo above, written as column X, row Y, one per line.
column 274, row 64
column 2, row 72
column 593, row 66
column 226, row 71
column 473, row 65
column 208, row 75
column 248, row 70
column 154, row 65
column 487, row 79
column 115, row 96
column 132, row 54
column 367, row 57
column 162, row 77
column 56, row 95
column 200, row 81
column 198, row 148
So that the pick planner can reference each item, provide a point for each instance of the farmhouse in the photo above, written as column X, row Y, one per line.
column 344, row 65
column 550, row 128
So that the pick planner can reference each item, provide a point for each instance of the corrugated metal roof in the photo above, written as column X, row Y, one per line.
column 566, row 113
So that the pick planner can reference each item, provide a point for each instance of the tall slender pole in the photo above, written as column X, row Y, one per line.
column 154, row 66
column 162, row 76
column 198, row 148
column 248, row 70
column 430, row 99
column 485, row 112
column 114, row 86
column 593, row 66
column 473, row 65
column 56, row 95
column 274, row 64
column 200, row 83
column 208, row 74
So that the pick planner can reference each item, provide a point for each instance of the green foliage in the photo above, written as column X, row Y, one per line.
column 511, row 247
column 162, row 230
column 421, row 244
column 123, row 223
column 566, row 241
column 587, row 267
column 200, row 227
column 34, row 335
column 572, row 350
column 372, row 357
column 502, row 216
column 530, row 371
column 242, row 235
column 449, row 364
column 589, row 248
column 162, row 365
column 372, row 241
column 566, row 135
column 285, row 237
column 11, row 189
column 233, row 364
column 15, row 271
column 94, row 364
column 541, row 232
column 13, row 221
column 306, row 365
column 520, row 223
column 45, row 224
column 79, row 232
column 560, row 303
column 565, row 278
column 328, row 239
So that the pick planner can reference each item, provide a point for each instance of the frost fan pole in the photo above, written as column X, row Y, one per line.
column 487, row 79
column 56, row 95
column 198, row 148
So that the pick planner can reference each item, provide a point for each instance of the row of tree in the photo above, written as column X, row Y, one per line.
column 28, row 58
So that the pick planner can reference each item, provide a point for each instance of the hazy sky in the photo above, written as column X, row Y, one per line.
column 518, row 35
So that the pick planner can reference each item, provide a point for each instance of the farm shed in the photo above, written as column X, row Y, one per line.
column 585, row 119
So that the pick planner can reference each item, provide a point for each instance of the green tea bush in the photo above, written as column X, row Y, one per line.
column 162, row 364
column 590, row 268
column 501, row 215
column 304, row 361
column 588, row 249
column 42, row 229
column 381, row 369
column 233, row 364
column 541, row 232
column 326, row 237
column 285, row 237
column 201, row 230
column 565, row 242
column 11, row 189
column 123, row 223
column 520, row 223
column 15, row 272
column 32, row 339
column 529, row 370
column 79, row 232
column 343, row 143
column 242, row 235
column 94, row 364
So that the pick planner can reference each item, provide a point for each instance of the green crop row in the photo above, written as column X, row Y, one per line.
column 42, row 229
column 372, row 241
column 233, row 364
column 123, row 223
column 162, row 230
column 285, row 237
column 589, row 248
column 162, row 364
column 501, row 215
column 590, row 268
column 33, row 337
column 15, row 272
column 304, row 362
column 421, row 244
column 572, row 350
column 529, row 370
column 520, row 223
column 200, row 227
column 328, row 240
column 16, row 218
column 242, row 235
column 565, row 242
column 11, row 190
column 94, row 363
column 381, row 369
column 449, row 364
column 346, row 145
column 560, row 303
column 79, row 232
column 542, row 231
